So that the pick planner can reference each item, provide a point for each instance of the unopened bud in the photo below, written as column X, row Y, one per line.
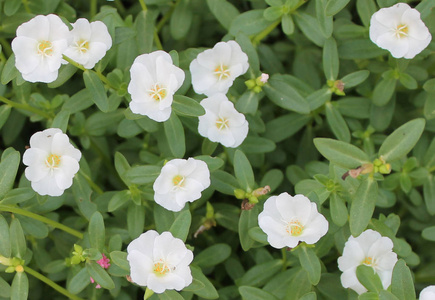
column 246, row 205
column 240, row 194
column 250, row 84
column 261, row 191
column 385, row 169
column 19, row 269
column 264, row 77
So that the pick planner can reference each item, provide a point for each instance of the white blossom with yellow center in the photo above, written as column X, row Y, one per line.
column 214, row 70
column 370, row 249
column 52, row 162
column 400, row 30
column 221, row 122
column 90, row 42
column 159, row 262
column 181, row 181
column 288, row 220
column 38, row 48
column 154, row 81
column 428, row 293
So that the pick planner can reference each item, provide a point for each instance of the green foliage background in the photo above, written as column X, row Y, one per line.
column 305, row 133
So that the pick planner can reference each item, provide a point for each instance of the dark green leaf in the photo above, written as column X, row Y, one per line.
column 285, row 96
column 243, row 171
column 186, row 106
column 334, row 6
column 252, row 293
column 8, row 170
column 343, row 154
column 363, row 205
column 97, row 233
column 18, row 240
column 100, row 275
column 96, row 88
column 369, row 278
column 175, row 136
column 213, row 255
column 224, row 11
column 402, row 284
column 337, row 123
column 181, row 225
column 330, row 59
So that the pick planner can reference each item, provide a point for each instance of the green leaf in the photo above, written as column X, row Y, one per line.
column 258, row 275
column 285, row 126
column 258, row 235
column 339, row 213
column 325, row 22
column 340, row 153
column 429, row 195
column 8, row 170
column 181, row 20
column 135, row 220
column 330, row 59
column 5, row 241
column 402, row 283
column 208, row 291
column 243, row 171
column 363, row 205
column 142, row 174
column 100, row 275
column 309, row 296
column 79, row 281
column 224, row 182
column 337, row 123
column 273, row 178
column 213, row 163
column 20, row 286
column 250, row 22
column 359, row 49
column 288, row 26
column 119, row 258
column 144, row 25
column 11, row 7
column 354, row 107
column 5, row 289
column 181, row 225
column 65, row 73
column 299, row 286
column 18, row 195
column 5, row 111
column 18, row 240
column 252, row 293
column 246, row 44
column 96, row 88
column 61, row 120
column 310, row 27
column 402, row 140
column 366, row 9
column 248, row 219
column 386, row 295
column 9, row 71
column 355, row 78
column 408, row 81
column 170, row 295
column 213, row 255
column 97, row 232
column 248, row 102
column 310, row 263
column 175, row 136
column 253, row 144
column 285, row 96
column 383, row 91
column 368, row 296
column 224, row 11
column 369, row 278
column 334, row 6
column 429, row 233
column 186, row 106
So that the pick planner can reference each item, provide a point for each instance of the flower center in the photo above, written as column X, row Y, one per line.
column 45, row 48
column 157, row 92
column 222, row 123
column 294, row 228
column 401, row 31
column 178, row 181
column 82, row 46
column 222, row 72
column 161, row 268
column 53, row 161
column 369, row 261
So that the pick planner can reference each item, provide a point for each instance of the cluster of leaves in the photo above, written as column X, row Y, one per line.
column 332, row 94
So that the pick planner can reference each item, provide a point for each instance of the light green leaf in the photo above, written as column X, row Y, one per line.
column 5, row 289
column 96, row 87
column 340, row 153
column 334, row 6
column 100, row 275
column 402, row 284
column 5, row 241
column 310, row 27
column 429, row 195
column 402, row 140
column 8, row 170
column 135, row 220
column 181, row 225
column 369, row 278
column 363, row 205
column 61, row 120
column 224, row 182
column 253, row 144
column 383, row 91
column 288, row 26
column 9, row 71
column 212, row 255
column 355, row 78
column 20, row 286
column 175, row 136
column 253, row 293
column 337, row 123
column 18, row 240
column 330, row 59
column 248, row 219
column 119, row 258
column 186, row 106
column 310, row 263
column 243, row 171
column 170, row 295
column 79, row 281
column 97, row 233
column 285, row 126
column 339, row 213
column 213, row 163
column 366, row 9
column 429, row 233
column 224, row 11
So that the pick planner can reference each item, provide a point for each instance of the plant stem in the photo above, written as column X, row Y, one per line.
column 94, row 186
column 257, row 39
column 284, row 258
column 26, row 6
column 45, row 220
column 26, row 107
column 120, row 7
column 165, row 18
column 51, row 283
column 157, row 40
column 143, row 5
column 93, row 8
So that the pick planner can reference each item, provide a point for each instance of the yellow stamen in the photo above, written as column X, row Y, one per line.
column 45, row 48
column 222, row 123
column 157, row 92
column 368, row 261
column 82, row 45
column 222, row 72
column 401, row 31
column 161, row 268
column 294, row 228
column 53, row 161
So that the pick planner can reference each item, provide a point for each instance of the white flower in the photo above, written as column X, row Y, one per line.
column 428, row 293
column 159, row 262
column 154, row 81
column 288, row 220
column 400, row 30
column 38, row 48
column 181, row 181
column 370, row 249
column 221, row 122
column 214, row 70
column 90, row 42
column 52, row 162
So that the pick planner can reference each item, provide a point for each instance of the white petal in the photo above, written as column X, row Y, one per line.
column 349, row 280
column 141, row 266
column 144, row 243
column 44, row 139
column 100, row 34
column 26, row 57
column 47, row 186
column 37, row 28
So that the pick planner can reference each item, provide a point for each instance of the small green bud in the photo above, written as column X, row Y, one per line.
column 10, row 269
column 253, row 199
column 385, row 169
column 250, row 84
column 257, row 89
column 240, row 194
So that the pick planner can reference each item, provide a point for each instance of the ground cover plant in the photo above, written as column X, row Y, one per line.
column 205, row 149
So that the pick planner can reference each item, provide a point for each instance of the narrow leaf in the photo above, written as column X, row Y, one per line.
column 402, row 283
column 175, row 136
column 243, row 171
column 340, row 153
column 363, row 205
column 98, row 93
column 97, row 234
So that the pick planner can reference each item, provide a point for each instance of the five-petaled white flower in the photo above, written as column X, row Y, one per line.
column 38, row 48
column 154, row 81
column 181, row 181
column 214, row 70
column 428, row 293
column 52, row 162
column 159, row 262
column 370, row 249
column 90, row 42
column 400, row 30
column 221, row 122
column 288, row 220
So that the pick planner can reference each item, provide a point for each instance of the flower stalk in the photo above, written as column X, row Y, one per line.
column 26, row 107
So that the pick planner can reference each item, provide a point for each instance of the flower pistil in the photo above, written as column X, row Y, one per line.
column 45, row 48
column 222, row 123
column 53, row 161
column 158, row 92
column 161, row 268
column 401, row 31
column 294, row 228
column 222, row 72
column 82, row 46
